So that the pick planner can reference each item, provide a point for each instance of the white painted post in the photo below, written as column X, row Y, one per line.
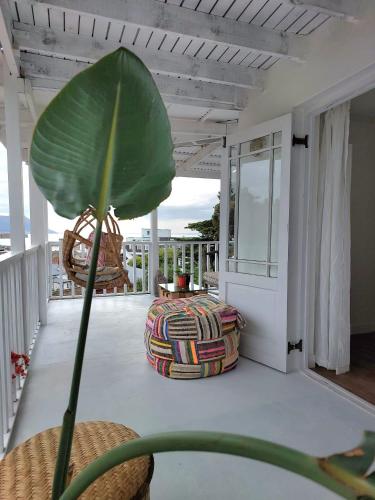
column 14, row 157
column 192, row 263
column 143, row 268
column 39, row 236
column 200, row 265
column 154, row 264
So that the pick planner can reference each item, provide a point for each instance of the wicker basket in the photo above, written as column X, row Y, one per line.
column 26, row 473
column 76, row 269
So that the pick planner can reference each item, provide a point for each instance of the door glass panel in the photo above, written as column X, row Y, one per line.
column 260, row 143
column 245, row 148
column 275, row 204
column 276, row 138
column 273, row 271
column 251, row 268
column 253, row 208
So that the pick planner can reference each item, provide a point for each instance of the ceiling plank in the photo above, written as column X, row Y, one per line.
column 75, row 47
column 6, row 39
column 179, row 90
column 174, row 19
column 348, row 9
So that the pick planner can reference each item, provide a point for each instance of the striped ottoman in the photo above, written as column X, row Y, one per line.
column 193, row 337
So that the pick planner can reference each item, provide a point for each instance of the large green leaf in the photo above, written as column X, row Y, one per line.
column 105, row 139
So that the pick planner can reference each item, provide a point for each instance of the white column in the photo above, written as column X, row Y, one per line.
column 14, row 154
column 39, row 236
column 154, row 256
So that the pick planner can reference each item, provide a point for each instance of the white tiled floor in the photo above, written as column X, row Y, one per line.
column 120, row 386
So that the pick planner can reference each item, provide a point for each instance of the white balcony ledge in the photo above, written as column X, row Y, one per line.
column 119, row 385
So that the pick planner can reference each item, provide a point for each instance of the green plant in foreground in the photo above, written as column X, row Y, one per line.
column 105, row 141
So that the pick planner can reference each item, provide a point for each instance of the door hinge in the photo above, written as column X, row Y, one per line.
column 292, row 347
column 300, row 141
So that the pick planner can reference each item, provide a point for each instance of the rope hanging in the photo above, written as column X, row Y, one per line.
column 110, row 271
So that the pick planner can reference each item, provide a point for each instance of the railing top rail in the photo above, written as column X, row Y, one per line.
column 32, row 249
column 172, row 242
column 8, row 258
column 160, row 242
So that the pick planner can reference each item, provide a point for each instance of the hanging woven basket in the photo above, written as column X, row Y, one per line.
column 110, row 271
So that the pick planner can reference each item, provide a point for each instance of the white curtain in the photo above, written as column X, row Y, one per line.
column 332, row 322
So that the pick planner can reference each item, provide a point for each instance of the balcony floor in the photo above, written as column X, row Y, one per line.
column 119, row 385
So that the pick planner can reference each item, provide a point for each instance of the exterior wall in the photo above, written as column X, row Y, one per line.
column 362, row 134
column 335, row 52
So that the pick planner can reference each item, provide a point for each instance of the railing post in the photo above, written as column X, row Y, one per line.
column 14, row 160
column 39, row 236
column 154, row 254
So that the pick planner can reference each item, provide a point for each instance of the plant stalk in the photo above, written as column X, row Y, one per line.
column 231, row 444
column 67, row 430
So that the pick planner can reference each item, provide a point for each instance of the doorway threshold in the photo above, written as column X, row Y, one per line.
column 349, row 396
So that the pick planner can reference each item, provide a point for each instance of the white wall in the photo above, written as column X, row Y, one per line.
column 336, row 51
column 362, row 138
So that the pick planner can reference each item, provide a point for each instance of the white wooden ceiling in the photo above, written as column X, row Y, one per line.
column 205, row 55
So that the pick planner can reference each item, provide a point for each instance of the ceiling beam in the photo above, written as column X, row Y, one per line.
column 174, row 19
column 6, row 39
column 348, row 9
column 172, row 89
column 203, row 171
column 186, row 127
column 45, row 40
column 203, row 153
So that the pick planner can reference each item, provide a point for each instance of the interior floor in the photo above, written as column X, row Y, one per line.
column 361, row 378
column 119, row 385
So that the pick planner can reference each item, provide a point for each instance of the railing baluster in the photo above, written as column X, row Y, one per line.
column 200, row 273
column 192, row 262
column 208, row 246
column 61, row 283
column 166, row 261
column 143, row 268
column 183, row 248
column 124, row 264
column 174, row 262
column 216, row 257
column 134, row 268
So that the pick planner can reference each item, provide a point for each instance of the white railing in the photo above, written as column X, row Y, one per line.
column 194, row 257
column 19, row 322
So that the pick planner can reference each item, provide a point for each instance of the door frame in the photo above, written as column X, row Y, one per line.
column 306, row 122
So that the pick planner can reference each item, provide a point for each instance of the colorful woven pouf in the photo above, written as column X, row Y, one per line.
column 193, row 337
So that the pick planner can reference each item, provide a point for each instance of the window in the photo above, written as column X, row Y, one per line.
column 255, row 174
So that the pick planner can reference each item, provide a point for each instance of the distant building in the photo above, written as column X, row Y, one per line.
column 163, row 235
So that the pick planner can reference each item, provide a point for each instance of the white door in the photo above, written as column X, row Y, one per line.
column 254, row 237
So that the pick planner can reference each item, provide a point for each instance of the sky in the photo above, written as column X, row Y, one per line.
column 191, row 200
